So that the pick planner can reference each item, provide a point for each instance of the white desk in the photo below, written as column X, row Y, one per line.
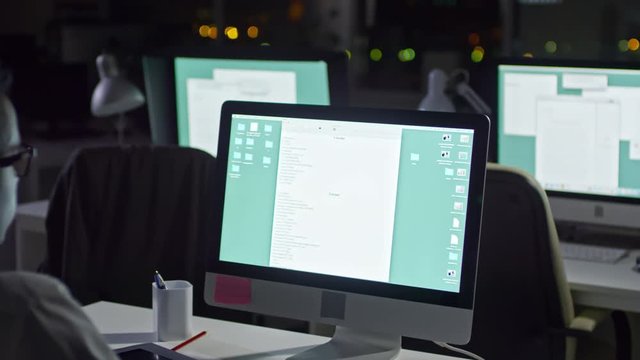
column 223, row 339
column 611, row 286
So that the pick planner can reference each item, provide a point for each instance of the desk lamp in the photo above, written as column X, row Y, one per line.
column 114, row 94
column 441, row 86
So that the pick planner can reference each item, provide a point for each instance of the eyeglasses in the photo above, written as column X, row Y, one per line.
column 20, row 161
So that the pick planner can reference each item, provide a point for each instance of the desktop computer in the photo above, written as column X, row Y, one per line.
column 366, row 219
column 186, row 87
column 575, row 126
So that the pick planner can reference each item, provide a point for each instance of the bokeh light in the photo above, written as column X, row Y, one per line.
column 477, row 55
column 213, row 32
column 407, row 54
column 253, row 32
column 474, row 39
column 348, row 52
column 551, row 47
column 623, row 45
column 375, row 54
column 231, row 32
column 203, row 30
column 634, row 44
column 528, row 54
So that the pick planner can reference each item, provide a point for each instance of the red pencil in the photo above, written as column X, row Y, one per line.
column 189, row 340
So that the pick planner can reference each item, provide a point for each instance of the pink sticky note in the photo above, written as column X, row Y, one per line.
column 232, row 290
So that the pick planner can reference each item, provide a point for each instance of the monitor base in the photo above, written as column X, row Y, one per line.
column 354, row 344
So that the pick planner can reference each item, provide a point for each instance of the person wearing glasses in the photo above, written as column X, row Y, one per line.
column 39, row 319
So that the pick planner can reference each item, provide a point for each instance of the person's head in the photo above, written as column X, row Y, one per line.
column 9, row 145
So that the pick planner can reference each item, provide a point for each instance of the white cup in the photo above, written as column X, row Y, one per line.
column 172, row 310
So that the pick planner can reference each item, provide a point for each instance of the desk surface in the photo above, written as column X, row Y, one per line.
column 613, row 286
column 223, row 339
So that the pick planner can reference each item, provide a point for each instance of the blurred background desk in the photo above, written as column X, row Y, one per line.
column 223, row 339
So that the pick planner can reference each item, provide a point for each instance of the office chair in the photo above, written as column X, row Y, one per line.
column 118, row 214
column 523, row 306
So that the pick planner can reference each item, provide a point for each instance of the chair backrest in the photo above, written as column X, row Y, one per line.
column 117, row 214
column 521, row 293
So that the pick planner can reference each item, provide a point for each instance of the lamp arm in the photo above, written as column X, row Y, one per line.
column 472, row 98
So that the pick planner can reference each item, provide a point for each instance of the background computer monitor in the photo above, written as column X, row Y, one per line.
column 367, row 219
column 186, row 87
column 575, row 126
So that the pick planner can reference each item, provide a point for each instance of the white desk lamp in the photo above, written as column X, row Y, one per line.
column 441, row 84
column 114, row 94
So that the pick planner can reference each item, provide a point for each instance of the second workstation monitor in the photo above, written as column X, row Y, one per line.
column 186, row 89
column 576, row 126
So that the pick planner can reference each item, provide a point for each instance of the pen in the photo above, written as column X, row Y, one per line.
column 159, row 281
column 189, row 340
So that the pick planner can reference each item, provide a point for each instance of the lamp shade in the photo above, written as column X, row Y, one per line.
column 114, row 94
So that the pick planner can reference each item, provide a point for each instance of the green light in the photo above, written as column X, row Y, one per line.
column 551, row 47
column 477, row 55
column 375, row 54
column 405, row 55
column 623, row 45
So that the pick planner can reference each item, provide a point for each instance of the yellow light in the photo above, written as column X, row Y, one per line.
column 348, row 52
column 375, row 54
column 480, row 49
column 203, row 30
column 477, row 55
column 213, row 32
column 474, row 39
column 527, row 55
column 623, row 45
column 253, row 32
column 634, row 44
column 231, row 32
column 551, row 47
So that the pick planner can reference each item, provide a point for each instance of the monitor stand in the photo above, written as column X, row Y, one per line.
column 348, row 343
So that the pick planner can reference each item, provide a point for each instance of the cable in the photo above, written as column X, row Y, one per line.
column 458, row 350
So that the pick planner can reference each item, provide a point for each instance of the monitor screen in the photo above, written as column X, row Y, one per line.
column 576, row 127
column 187, row 88
column 375, row 212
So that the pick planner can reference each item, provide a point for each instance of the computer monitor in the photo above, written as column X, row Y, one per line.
column 576, row 126
column 186, row 87
column 367, row 219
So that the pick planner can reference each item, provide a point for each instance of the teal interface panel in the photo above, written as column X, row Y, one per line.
column 202, row 85
column 371, row 201
column 577, row 129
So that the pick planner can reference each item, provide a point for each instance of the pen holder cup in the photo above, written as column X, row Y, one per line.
column 172, row 310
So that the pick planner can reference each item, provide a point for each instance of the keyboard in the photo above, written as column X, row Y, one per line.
column 603, row 254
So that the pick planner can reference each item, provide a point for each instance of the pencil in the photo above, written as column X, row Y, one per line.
column 189, row 340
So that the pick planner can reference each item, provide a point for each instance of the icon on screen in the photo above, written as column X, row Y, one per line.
column 248, row 157
column 446, row 137
column 268, row 128
column 250, row 142
column 460, row 189
column 448, row 172
column 241, row 127
column 451, row 273
column 453, row 256
column 415, row 157
column 458, row 205
column 237, row 155
column 456, row 223
column 266, row 160
column 445, row 154
column 253, row 127
column 464, row 138
column 454, row 239
column 461, row 172
column 235, row 168
column 238, row 141
column 463, row 155
column 268, row 144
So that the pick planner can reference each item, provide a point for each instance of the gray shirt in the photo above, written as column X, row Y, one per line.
column 39, row 319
